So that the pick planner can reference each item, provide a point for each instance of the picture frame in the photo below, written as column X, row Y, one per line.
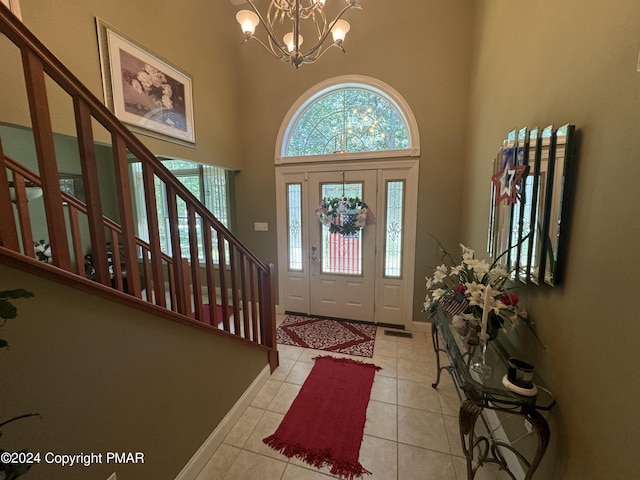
column 72, row 184
column 144, row 91
column 14, row 6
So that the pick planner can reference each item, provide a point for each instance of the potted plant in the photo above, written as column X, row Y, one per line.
column 11, row 469
column 468, row 286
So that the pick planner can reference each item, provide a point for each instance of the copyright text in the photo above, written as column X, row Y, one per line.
column 70, row 460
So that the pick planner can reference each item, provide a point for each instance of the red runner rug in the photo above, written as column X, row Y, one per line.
column 326, row 334
column 325, row 423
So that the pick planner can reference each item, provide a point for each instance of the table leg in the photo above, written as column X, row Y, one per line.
column 437, row 350
column 488, row 448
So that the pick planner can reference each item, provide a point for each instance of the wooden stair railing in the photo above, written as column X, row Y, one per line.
column 206, row 262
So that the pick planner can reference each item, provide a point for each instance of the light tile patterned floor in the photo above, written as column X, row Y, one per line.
column 411, row 431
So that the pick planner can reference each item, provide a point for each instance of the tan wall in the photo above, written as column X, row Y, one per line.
column 421, row 49
column 523, row 65
column 242, row 95
column 573, row 62
column 104, row 377
column 197, row 37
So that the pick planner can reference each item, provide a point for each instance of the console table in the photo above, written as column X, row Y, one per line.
column 483, row 393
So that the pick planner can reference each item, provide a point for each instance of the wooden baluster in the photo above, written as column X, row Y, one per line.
column 195, row 261
column 268, row 315
column 147, row 274
column 174, row 233
column 222, row 268
column 47, row 165
column 91, row 190
column 154, row 235
column 244, row 294
column 8, row 230
column 76, row 239
column 123, row 193
column 23, row 215
column 172, row 285
column 185, row 286
column 254, row 304
column 116, row 260
column 210, row 273
column 234, row 287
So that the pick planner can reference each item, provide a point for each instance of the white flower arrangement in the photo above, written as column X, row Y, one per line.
column 464, row 289
column 43, row 251
column 352, row 212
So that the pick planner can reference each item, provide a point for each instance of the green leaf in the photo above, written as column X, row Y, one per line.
column 18, row 293
column 19, row 417
column 12, row 471
column 7, row 310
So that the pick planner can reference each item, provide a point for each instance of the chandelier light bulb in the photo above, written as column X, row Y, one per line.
column 340, row 30
column 290, row 44
column 248, row 21
column 306, row 16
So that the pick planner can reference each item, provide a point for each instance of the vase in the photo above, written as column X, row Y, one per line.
column 481, row 366
column 469, row 327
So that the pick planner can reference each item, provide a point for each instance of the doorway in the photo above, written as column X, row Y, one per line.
column 365, row 276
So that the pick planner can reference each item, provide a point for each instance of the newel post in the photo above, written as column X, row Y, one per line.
column 268, row 315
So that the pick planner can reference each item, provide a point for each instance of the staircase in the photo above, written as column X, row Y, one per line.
column 230, row 293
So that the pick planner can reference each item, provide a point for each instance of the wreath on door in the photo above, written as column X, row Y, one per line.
column 346, row 216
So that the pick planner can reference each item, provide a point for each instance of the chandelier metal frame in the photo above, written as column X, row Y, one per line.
column 288, row 49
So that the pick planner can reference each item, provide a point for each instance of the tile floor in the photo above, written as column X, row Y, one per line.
column 411, row 431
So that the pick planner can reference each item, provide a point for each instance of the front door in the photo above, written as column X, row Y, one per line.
column 342, row 266
column 366, row 275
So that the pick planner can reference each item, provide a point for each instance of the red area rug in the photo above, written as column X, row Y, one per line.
column 325, row 423
column 325, row 334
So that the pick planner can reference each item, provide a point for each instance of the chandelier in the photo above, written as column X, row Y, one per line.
column 284, row 16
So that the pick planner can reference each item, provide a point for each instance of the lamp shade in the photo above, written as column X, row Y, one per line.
column 339, row 30
column 32, row 192
column 288, row 41
column 248, row 21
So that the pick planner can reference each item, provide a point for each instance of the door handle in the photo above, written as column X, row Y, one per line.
column 314, row 258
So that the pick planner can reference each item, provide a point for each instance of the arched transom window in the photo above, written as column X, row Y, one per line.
column 343, row 116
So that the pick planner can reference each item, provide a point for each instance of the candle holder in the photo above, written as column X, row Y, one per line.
column 481, row 367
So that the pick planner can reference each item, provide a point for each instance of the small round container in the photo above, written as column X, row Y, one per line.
column 520, row 373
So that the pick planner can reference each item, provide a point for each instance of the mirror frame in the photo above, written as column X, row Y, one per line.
column 534, row 253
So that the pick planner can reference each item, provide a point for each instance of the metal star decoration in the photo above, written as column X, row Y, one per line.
column 506, row 180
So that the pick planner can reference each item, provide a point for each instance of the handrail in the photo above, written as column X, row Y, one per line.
column 173, row 278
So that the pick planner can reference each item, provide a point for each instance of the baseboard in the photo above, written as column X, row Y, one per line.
column 195, row 465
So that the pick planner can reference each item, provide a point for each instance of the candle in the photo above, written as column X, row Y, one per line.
column 485, row 312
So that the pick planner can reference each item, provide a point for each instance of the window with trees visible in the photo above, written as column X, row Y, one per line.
column 348, row 119
column 208, row 183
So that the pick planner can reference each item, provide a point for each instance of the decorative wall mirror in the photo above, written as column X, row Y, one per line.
column 530, row 206
column 529, row 198
column 560, row 188
column 518, row 237
column 500, row 221
column 538, row 221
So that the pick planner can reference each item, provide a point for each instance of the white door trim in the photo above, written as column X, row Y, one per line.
column 361, row 81
column 411, row 166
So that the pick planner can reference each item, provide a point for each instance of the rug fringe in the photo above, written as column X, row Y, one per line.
column 348, row 360
column 317, row 459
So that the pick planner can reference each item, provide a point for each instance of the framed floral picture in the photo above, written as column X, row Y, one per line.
column 14, row 6
column 148, row 94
